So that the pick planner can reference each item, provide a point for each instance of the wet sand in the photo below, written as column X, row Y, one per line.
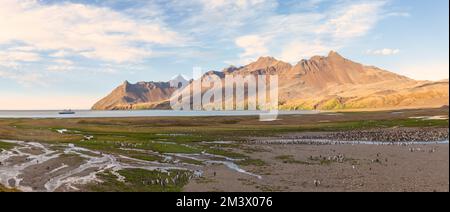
column 384, row 168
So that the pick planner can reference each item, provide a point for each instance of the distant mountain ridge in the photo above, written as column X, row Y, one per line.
column 322, row 83
column 135, row 96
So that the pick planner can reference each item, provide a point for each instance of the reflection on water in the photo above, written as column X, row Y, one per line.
column 135, row 113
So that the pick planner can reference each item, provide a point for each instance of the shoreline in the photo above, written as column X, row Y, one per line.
column 288, row 154
column 54, row 114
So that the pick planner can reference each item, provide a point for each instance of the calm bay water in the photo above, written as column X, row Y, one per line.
column 134, row 113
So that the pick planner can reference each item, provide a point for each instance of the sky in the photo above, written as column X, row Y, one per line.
column 57, row 54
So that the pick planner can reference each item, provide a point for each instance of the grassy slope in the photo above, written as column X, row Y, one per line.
column 6, row 146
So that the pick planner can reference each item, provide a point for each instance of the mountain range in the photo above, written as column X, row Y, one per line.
column 321, row 83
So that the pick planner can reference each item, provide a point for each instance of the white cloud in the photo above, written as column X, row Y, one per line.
column 215, row 23
column 59, row 68
column 296, row 36
column 296, row 50
column 399, row 14
column 19, row 56
column 23, row 48
column 253, row 45
column 384, row 52
column 220, row 18
column 61, row 65
column 353, row 20
column 11, row 59
column 64, row 62
column 238, row 4
column 93, row 32
column 61, row 53
column 26, row 79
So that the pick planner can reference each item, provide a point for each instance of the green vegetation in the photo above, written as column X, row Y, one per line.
column 291, row 160
column 189, row 134
column 144, row 138
column 139, row 180
column 333, row 104
column 193, row 130
column 368, row 124
column 168, row 148
column 136, row 137
column 6, row 146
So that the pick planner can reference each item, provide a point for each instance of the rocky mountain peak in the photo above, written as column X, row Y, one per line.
column 322, row 82
column 266, row 65
column 266, row 60
column 335, row 55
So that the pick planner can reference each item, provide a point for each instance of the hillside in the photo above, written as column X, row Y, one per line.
column 323, row 82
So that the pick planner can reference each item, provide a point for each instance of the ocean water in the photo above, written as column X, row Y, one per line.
column 135, row 113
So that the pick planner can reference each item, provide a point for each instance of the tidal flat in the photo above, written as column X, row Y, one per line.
column 170, row 154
